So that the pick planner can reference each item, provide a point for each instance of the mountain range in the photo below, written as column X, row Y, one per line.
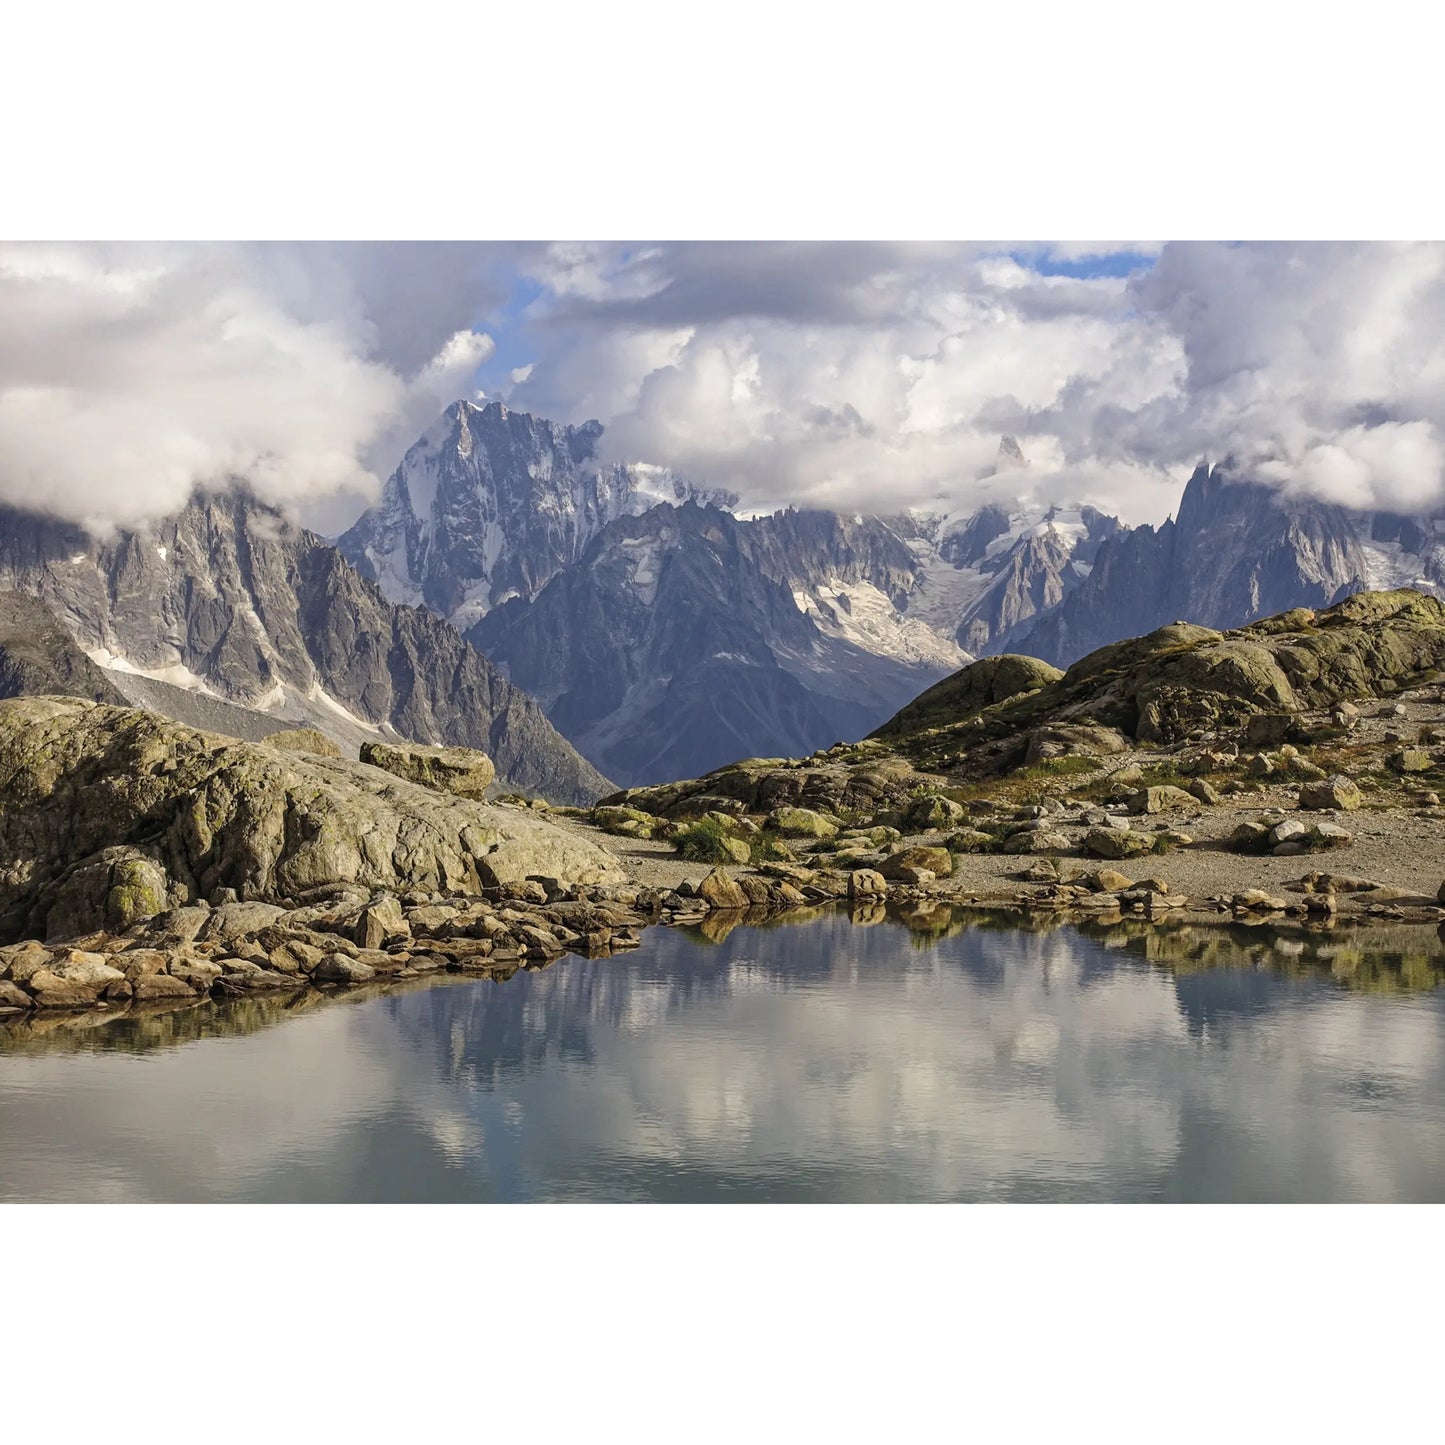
column 585, row 621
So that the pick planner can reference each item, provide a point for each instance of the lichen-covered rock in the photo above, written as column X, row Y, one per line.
column 303, row 740
column 115, row 888
column 79, row 781
column 802, row 823
column 931, row 811
column 1114, row 843
column 1411, row 760
column 1268, row 729
column 461, row 771
column 1059, row 740
column 979, row 685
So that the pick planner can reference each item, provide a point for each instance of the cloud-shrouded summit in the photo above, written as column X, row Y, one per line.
column 131, row 374
column 858, row 375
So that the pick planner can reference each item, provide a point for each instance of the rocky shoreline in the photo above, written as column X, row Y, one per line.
column 196, row 954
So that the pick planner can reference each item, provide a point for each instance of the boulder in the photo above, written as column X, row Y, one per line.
column 759, row 891
column 463, row 772
column 88, row 970
column 1337, row 793
column 868, row 883
column 232, row 921
column 1256, row 900
column 937, row 861
column 932, row 811
column 1268, row 729
column 379, row 921
column 721, row 891
column 1038, row 840
column 13, row 997
column 1203, row 792
column 1114, row 843
column 49, row 990
column 1058, row 740
column 1107, row 880
column 139, row 963
column 155, row 986
column 914, row 877
column 339, row 968
column 1160, row 800
column 1411, row 760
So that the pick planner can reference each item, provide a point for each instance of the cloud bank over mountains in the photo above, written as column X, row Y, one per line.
column 851, row 374
column 131, row 373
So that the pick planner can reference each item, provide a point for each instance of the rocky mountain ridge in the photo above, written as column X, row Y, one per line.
column 490, row 503
column 1237, row 551
column 677, row 642
column 227, row 602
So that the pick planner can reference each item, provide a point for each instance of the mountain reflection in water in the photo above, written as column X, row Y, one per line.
column 957, row 1058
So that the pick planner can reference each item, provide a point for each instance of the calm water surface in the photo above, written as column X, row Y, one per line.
column 818, row 1061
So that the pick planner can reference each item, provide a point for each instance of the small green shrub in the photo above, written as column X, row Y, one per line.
column 704, row 842
column 765, row 849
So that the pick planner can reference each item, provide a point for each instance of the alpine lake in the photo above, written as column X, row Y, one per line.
column 936, row 1055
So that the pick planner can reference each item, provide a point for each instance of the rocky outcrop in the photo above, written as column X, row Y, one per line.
column 303, row 740
column 109, row 816
column 1185, row 681
column 979, row 685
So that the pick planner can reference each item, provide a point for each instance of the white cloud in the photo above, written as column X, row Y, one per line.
column 130, row 374
column 857, row 374
column 883, row 375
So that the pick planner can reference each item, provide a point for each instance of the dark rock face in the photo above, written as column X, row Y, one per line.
column 675, row 644
column 37, row 656
column 270, row 616
column 804, row 548
column 1237, row 551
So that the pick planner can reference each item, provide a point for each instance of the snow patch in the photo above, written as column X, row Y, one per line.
column 862, row 614
column 645, row 554
column 177, row 674
column 317, row 693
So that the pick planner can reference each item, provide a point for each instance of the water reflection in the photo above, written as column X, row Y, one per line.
column 955, row 1059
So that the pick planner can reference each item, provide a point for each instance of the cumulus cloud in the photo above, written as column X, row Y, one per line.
column 131, row 374
column 867, row 375
column 1314, row 366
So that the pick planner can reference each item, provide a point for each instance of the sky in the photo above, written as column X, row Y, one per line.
column 868, row 376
